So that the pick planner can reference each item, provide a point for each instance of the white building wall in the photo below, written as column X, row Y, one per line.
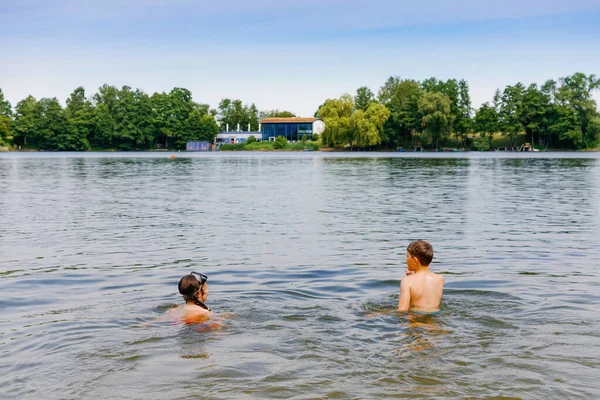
column 236, row 136
column 318, row 126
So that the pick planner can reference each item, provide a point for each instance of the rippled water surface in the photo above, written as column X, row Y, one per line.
column 305, row 251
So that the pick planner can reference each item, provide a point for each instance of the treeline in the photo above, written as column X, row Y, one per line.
column 113, row 118
column 432, row 112
column 405, row 112
column 122, row 119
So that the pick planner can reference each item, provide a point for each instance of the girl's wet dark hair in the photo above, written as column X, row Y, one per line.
column 190, row 285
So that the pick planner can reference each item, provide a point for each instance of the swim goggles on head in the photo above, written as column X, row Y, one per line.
column 201, row 277
column 201, row 280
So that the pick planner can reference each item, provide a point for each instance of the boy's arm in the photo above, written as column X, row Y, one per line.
column 404, row 302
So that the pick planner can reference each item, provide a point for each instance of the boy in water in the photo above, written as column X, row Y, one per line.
column 421, row 289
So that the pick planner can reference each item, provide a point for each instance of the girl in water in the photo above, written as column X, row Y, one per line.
column 194, row 289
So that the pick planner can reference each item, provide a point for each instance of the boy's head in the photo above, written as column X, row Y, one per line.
column 194, row 286
column 419, row 253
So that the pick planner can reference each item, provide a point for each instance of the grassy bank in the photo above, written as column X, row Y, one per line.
column 271, row 146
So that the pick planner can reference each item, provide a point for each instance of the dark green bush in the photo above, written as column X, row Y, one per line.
column 233, row 147
column 280, row 142
column 481, row 143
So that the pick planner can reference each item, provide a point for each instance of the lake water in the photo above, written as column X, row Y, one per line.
column 306, row 251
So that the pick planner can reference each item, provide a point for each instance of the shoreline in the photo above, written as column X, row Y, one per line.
column 323, row 150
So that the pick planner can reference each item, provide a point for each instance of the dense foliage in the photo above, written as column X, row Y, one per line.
column 113, row 118
column 431, row 113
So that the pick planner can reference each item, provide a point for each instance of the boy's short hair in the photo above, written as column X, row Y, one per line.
column 422, row 250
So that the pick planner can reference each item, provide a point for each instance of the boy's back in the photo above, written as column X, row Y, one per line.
column 421, row 289
column 425, row 289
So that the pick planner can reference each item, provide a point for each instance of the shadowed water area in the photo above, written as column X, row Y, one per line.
column 305, row 250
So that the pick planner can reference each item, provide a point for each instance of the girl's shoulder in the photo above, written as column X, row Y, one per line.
column 187, row 314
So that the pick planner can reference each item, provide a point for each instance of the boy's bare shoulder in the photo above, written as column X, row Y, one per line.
column 439, row 278
column 436, row 275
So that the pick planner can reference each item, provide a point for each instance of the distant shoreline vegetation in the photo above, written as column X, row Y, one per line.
column 431, row 113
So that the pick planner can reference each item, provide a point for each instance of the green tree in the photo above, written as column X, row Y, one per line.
column 481, row 144
column 176, row 118
column 388, row 89
column 463, row 121
column 202, row 126
column 435, row 108
column 336, row 114
column 460, row 103
column 126, row 131
column 52, row 127
column 551, row 115
column 253, row 116
column 180, row 108
column 364, row 97
column 432, row 85
column 344, row 124
column 160, row 105
column 575, row 93
column 233, row 113
column 26, row 119
column 534, row 112
column 5, row 117
column 80, row 117
column 144, row 116
column 105, row 104
column 277, row 114
column 510, row 113
column 280, row 142
column 404, row 119
column 486, row 121
column 366, row 127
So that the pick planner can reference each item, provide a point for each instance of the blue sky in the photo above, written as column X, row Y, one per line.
column 289, row 54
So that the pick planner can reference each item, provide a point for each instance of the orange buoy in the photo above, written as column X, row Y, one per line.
column 172, row 157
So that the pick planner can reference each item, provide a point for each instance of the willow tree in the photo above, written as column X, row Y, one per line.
column 336, row 114
column 366, row 127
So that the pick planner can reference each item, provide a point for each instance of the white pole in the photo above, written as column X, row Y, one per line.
column 248, row 126
column 227, row 129
column 238, row 127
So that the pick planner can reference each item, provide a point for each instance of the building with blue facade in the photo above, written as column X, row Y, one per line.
column 236, row 137
column 199, row 145
column 292, row 128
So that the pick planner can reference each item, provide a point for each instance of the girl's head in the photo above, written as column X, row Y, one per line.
column 194, row 289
